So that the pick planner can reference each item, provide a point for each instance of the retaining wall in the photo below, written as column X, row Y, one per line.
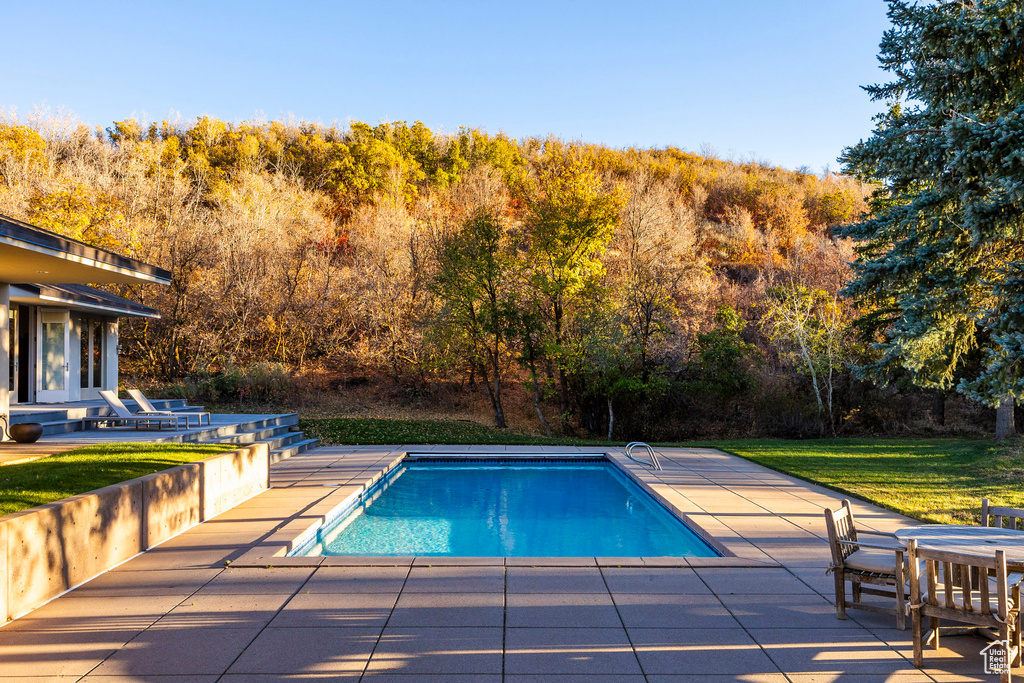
column 48, row 549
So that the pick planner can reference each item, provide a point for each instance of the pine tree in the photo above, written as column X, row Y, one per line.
column 941, row 259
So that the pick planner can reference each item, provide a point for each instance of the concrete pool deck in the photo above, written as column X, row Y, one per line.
column 177, row 613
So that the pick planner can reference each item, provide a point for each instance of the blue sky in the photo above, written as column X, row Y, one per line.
column 777, row 81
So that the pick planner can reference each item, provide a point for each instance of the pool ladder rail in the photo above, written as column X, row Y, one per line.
column 653, row 462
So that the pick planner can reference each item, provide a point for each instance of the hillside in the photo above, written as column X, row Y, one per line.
column 604, row 283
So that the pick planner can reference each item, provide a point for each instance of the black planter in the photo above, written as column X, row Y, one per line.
column 26, row 432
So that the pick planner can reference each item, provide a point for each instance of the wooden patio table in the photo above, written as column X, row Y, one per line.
column 973, row 540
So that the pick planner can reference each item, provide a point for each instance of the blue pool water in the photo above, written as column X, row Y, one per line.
column 485, row 509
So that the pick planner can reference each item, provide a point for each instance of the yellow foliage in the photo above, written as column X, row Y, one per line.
column 82, row 214
column 22, row 153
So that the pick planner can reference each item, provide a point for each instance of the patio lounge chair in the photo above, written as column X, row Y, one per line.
column 864, row 563
column 147, row 408
column 121, row 415
column 948, row 587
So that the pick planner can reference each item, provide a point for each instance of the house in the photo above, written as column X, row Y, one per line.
column 59, row 336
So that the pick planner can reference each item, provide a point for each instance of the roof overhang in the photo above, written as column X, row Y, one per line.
column 30, row 254
column 80, row 298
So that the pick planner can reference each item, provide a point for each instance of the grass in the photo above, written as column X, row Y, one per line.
column 84, row 469
column 934, row 480
column 379, row 431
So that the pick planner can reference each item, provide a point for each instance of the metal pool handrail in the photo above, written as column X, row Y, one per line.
column 654, row 456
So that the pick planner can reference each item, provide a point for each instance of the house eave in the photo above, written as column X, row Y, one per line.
column 91, row 301
column 31, row 254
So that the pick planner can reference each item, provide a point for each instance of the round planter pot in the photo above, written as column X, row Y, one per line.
column 26, row 432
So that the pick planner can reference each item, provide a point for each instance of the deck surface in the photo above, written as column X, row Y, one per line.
column 12, row 453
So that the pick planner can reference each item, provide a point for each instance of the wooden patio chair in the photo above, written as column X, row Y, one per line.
column 863, row 563
column 1002, row 517
column 970, row 589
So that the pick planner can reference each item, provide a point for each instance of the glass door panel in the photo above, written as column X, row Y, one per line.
column 12, row 351
column 97, row 354
column 52, row 358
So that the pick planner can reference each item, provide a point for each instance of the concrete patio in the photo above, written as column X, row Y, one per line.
column 177, row 613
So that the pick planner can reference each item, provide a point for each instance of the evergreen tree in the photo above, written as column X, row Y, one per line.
column 942, row 256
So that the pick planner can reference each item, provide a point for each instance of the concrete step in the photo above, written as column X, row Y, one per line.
column 254, row 436
column 277, row 438
column 293, row 449
column 218, row 433
column 59, row 426
column 283, row 440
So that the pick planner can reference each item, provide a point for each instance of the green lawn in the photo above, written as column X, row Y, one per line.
column 375, row 431
column 84, row 469
column 934, row 480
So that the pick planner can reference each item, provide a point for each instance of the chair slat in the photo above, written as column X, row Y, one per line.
column 947, row 584
column 931, row 569
column 965, row 587
column 986, row 599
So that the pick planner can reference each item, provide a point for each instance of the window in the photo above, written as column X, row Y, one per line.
column 97, row 353
column 92, row 353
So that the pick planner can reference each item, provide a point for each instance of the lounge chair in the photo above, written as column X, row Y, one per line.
column 970, row 589
column 865, row 563
column 121, row 415
column 147, row 408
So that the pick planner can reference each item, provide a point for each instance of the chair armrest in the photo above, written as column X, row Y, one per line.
column 873, row 545
column 876, row 533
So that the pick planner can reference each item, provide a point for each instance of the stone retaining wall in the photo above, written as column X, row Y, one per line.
column 48, row 549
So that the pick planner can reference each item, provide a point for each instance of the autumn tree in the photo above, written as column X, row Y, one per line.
column 571, row 218
column 473, row 281
column 808, row 328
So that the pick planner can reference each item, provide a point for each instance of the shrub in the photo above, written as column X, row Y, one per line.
column 258, row 383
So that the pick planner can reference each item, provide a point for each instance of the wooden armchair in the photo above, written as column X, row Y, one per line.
column 971, row 589
column 1002, row 517
column 862, row 563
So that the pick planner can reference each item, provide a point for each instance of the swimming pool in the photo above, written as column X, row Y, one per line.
column 506, row 509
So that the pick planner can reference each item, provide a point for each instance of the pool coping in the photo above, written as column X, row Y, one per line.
column 273, row 550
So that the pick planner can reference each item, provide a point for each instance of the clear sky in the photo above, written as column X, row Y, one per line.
column 774, row 80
